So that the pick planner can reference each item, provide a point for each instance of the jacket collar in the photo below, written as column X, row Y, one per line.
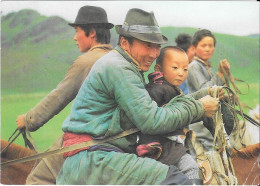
column 208, row 64
column 102, row 46
column 157, row 78
column 127, row 57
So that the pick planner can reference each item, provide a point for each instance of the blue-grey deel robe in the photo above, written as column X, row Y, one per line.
column 113, row 99
column 201, row 76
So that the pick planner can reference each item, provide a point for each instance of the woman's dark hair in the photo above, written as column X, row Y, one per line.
column 183, row 41
column 199, row 35
column 102, row 33
column 129, row 39
column 160, row 58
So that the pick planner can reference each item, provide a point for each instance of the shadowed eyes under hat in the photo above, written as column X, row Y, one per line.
column 92, row 15
column 141, row 25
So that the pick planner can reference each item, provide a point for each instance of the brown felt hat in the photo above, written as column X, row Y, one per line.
column 141, row 25
column 92, row 15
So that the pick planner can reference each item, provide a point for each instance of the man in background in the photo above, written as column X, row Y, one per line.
column 92, row 38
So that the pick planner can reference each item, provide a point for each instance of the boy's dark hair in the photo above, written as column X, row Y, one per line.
column 129, row 39
column 160, row 58
column 183, row 41
column 199, row 35
column 102, row 33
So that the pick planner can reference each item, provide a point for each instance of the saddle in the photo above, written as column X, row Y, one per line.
column 210, row 163
column 201, row 157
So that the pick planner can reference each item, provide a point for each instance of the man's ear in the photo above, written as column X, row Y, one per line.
column 124, row 44
column 157, row 68
column 92, row 33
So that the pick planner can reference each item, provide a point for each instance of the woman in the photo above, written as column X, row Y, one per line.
column 200, row 70
column 201, row 76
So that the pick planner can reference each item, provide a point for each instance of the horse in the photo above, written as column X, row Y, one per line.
column 245, row 164
column 15, row 174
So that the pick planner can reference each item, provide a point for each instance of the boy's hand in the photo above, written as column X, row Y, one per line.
column 210, row 105
column 20, row 122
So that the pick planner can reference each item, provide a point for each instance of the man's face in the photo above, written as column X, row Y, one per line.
column 82, row 41
column 143, row 52
column 205, row 48
column 175, row 67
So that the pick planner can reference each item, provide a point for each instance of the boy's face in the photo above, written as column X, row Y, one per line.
column 175, row 67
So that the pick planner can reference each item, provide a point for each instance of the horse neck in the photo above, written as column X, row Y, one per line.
column 15, row 151
column 250, row 151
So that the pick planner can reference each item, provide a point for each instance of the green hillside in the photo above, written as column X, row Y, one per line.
column 241, row 51
column 35, row 55
column 38, row 50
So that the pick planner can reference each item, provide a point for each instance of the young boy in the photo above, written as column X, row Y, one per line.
column 171, row 71
column 184, row 41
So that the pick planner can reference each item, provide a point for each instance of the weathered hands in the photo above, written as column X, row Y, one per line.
column 20, row 122
column 223, row 67
column 210, row 105
column 221, row 93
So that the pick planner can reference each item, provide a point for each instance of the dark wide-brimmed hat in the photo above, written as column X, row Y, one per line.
column 92, row 15
column 141, row 25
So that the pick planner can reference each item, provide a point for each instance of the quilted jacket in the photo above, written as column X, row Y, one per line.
column 113, row 99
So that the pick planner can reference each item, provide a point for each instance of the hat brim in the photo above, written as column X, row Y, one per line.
column 156, row 38
column 106, row 25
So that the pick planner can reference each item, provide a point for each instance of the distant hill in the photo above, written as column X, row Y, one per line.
column 38, row 50
column 254, row 35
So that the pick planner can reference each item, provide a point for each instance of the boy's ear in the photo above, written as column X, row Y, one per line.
column 157, row 68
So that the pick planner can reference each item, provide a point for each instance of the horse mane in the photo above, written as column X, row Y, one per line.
column 14, row 151
column 249, row 152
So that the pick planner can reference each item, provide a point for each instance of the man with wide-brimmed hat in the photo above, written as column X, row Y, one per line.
column 113, row 99
column 92, row 37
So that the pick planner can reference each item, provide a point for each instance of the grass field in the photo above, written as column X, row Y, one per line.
column 13, row 105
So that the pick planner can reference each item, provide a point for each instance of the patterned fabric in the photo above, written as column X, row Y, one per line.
column 156, row 77
column 152, row 150
column 160, row 90
column 71, row 139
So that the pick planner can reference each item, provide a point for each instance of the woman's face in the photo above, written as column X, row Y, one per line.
column 205, row 48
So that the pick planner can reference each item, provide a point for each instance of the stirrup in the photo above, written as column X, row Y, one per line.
column 206, row 171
